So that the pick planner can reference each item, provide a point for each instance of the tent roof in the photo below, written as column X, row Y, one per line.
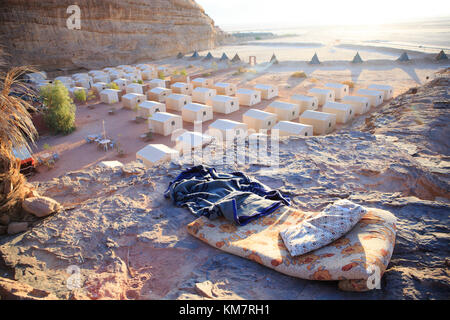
column 195, row 55
column 236, row 58
column 274, row 59
column 224, row 57
column 196, row 107
column 442, row 56
column 283, row 105
column 404, row 57
column 209, row 56
column 223, row 98
column 180, row 55
column 315, row 59
column 164, row 116
column 357, row 58
column 226, row 124
column 259, row 114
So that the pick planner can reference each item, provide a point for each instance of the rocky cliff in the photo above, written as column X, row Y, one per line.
column 124, row 240
column 113, row 32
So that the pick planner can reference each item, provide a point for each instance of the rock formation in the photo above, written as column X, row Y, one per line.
column 113, row 32
column 121, row 239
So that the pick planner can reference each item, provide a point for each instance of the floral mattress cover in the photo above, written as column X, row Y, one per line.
column 357, row 260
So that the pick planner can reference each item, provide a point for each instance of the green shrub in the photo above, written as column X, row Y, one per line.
column 113, row 85
column 140, row 82
column 183, row 72
column 60, row 109
column 161, row 75
column 80, row 95
column 350, row 84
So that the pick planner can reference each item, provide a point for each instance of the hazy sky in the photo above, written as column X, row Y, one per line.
column 271, row 13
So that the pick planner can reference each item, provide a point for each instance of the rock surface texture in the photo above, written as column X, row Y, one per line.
column 117, row 237
column 113, row 32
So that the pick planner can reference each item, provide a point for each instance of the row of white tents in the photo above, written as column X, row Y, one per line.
column 279, row 115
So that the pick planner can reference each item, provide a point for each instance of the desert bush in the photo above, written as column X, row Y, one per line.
column 113, row 85
column 80, row 95
column 161, row 75
column 140, row 82
column 299, row 74
column 183, row 72
column 349, row 83
column 92, row 94
column 60, row 109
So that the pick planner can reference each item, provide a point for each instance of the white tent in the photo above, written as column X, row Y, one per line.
column 132, row 100
column 158, row 94
column 122, row 83
column 267, row 91
column 157, row 83
column 322, row 95
column 225, row 104
column 228, row 129
column 135, row 88
column 305, row 102
column 148, row 108
column 388, row 90
column 344, row 112
column 113, row 75
column 165, row 123
column 375, row 97
column 132, row 76
column 285, row 111
column 194, row 112
column 203, row 82
column 99, row 87
column 144, row 66
column 258, row 119
column 154, row 154
column 67, row 81
column 101, row 78
column 94, row 73
column 75, row 89
column 288, row 128
column 176, row 101
column 322, row 122
column 203, row 95
column 148, row 74
column 226, row 89
column 85, row 82
column 340, row 90
column 109, row 96
column 248, row 97
column 361, row 104
column 190, row 140
column 180, row 87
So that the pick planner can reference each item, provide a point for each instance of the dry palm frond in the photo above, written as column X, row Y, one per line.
column 16, row 127
column 16, row 130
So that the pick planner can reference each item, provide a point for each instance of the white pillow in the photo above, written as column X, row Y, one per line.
column 329, row 225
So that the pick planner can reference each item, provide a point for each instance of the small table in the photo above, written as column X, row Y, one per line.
column 92, row 137
column 104, row 143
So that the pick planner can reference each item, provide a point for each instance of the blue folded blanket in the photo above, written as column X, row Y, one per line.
column 234, row 196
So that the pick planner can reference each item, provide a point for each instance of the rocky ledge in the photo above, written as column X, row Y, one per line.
column 117, row 237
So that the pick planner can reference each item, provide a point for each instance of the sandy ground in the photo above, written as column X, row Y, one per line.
column 76, row 154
